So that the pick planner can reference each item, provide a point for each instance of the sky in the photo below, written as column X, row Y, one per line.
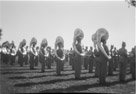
column 48, row 19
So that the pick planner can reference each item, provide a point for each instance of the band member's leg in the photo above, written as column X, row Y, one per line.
column 97, row 65
column 26, row 59
column 131, row 65
column 78, row 64
column 110, row 67
column 103, row 72
column 73, row 63
column 62, row 65
column 6, row 58
column 86, row 62
column 36, row 61
column 2, row 57
column 133, row 71
column 32, row 62
column 21, row 61
column 58, row 67
column 70, row 60
column 91, row 65
column 49, row 63
column 12, row 59
column 122, row 73
column 43, row 63
column 114, row 63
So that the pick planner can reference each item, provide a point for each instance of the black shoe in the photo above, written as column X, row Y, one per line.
column 32, row 68
column 110, row 74
column 102, row 83
column 122, row 81
column 42, row 71
column 58, row 74
column 90, row 72
column 77, row 78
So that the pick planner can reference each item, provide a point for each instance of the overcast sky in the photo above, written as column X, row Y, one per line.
column 49, row 19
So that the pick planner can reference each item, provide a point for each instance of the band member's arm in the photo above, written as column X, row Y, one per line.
column 20, row 50
column 31, row 50
column 99, row 36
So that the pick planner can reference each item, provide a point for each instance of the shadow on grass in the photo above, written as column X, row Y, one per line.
column 18, row 71
column 82, row 87
column 4, row 73
column 117, row 74
column 44, row 75
column 48, row 82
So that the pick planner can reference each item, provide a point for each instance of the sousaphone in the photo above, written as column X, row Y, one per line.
column 33, row 41
column 22, row 43
column 45, row 44
column 100, row 35
column 78, row 34
column 59, row 39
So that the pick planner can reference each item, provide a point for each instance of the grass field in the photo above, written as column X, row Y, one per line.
column 15, row 79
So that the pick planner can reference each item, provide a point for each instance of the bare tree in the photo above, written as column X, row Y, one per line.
column 131, row 2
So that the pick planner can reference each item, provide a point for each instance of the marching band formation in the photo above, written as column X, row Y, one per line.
column 98, row 59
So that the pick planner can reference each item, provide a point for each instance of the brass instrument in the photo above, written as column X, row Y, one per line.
column 59, row 39
column 22, row 44
column 100, row 35
column 44, row 44
column 33, row 42
column 13, row 53
column 78, row 34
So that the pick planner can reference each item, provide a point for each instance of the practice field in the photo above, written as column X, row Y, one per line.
column 15, row 79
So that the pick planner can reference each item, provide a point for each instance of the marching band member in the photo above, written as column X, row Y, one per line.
column 21, row 52
column 2, row 52
column 37, row 56
column 59, row 53
column 67, row 56
column 96, row 56
column 111, row 62
column 115, row 57
column 99, row 37
column 5, row 52
column 71, row 56
column 91, row 60
column 49, row 59
column 132, row 62
column 26, row 56
column 12, row 53
column 78, row 36
column 122, row 62
column 32, row 52
column 43, row 54
column 86, row 59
